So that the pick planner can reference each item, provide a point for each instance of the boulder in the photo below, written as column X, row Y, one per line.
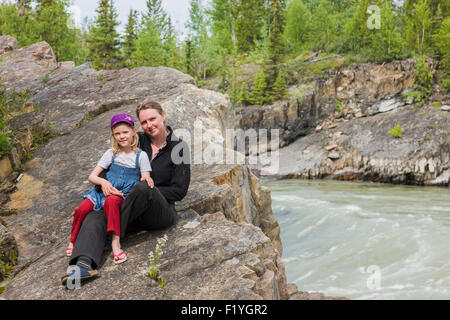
column 7, row 44
column 234, row 254
column 367, row 152
column 8, row 252
column 205, row 257
column 20, row 67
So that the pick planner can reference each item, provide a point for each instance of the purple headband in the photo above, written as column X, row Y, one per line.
column 122, row 117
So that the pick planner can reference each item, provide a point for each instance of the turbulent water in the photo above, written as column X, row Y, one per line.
column 364, row 240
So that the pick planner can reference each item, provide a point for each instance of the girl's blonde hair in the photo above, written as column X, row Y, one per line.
column 134, row 144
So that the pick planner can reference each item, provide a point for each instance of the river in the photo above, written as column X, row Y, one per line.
column 364, row 240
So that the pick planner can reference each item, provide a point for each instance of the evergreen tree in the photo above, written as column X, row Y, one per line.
column 244, row 95
column 129, row 45
column 276, row 43
column 174, row 58
column 52, row 26
column 103, row 37
column 250, row 16
column 18, row 25
column 279, row 87
column 223, row 17
column 204, row 50
column 298, row 20
column 188, row 60
column 150, row 50
column 258, row 94
column 157, row 15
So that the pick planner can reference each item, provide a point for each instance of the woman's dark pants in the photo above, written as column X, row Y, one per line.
column 143, row 209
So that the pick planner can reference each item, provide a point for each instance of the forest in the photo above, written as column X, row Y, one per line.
column 222, row 35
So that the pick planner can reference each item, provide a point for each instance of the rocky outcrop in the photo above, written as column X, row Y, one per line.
column 20, row 67
column 344, row 93
column 7, row 44
column 206, row 257
column 226, row 243
column 343, row 126
column 8, row 252
column 362, row 149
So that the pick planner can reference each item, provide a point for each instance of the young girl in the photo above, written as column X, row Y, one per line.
column 127, row 166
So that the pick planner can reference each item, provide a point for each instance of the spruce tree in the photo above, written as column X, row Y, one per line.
column 157, row 15
column 258, row 94
column 52, row 26
column 223, row 17
column 188, row 58
column 279, row 87
column 150, row 50
column 129, row 45
column 174, row 58
column 244, row 95
column 276, row 43
column 250, row 15
column 204, row 50
column 103, row 37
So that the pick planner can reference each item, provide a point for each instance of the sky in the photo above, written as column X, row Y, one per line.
column 177, row 9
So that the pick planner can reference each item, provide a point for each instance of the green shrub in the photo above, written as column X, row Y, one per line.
column 339, row 106
column 396, row 132
column 5, row 145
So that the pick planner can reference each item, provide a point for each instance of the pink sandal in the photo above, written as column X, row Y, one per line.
column 117, row 260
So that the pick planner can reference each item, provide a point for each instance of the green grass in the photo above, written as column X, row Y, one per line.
column 45, row 78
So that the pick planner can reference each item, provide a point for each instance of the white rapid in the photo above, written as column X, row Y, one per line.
column 364, row 240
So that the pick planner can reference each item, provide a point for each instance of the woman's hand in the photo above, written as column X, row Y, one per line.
column 146, row 177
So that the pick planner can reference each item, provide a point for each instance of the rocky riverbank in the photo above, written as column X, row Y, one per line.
column 339, row 129
column 226, row 243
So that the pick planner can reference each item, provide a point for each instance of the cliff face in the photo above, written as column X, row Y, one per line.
column 342, row 124
column 226, row 242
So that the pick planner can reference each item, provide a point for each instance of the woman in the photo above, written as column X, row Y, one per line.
column 144, row 208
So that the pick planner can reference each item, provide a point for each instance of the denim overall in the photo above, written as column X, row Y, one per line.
column 121, row 178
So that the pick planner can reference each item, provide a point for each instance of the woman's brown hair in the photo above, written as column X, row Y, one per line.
column 149, row 104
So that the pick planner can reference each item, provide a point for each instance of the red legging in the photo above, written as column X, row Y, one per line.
column 111, row 209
